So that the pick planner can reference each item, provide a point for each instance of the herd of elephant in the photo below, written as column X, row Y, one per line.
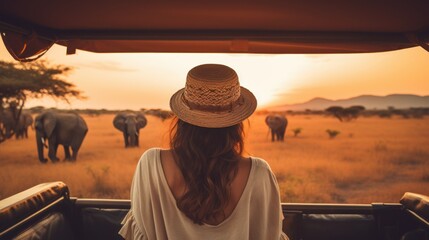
column 66, row 129
column 69, row 130
column 20, row 128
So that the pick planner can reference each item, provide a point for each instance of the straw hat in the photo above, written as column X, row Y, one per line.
column 213, row 98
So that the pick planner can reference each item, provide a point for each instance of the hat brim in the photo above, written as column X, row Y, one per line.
column 214, row 119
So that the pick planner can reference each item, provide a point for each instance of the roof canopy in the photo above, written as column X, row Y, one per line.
column 334, row 26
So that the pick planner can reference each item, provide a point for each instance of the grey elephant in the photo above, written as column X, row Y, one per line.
column 7, row 123
column 130, row 124
column 12, row 124
column 277, row 124
column 25, row 121
column 67, row 129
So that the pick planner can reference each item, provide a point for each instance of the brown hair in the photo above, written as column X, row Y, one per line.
column 208, row 159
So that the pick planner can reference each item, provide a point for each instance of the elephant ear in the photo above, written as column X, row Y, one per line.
column 267, row 119
column 141, row 121
column 119, row 122
column 49, row 123
column 274, row 121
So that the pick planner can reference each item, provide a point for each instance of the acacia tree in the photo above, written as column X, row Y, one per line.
column 337, row 111
column 345, row 114
column 21, row 81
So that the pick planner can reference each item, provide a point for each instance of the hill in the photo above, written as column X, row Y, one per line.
column 398, row 101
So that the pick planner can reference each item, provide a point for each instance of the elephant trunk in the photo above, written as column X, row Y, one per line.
column 40, row 145
column 132, row 130
column 133, row 140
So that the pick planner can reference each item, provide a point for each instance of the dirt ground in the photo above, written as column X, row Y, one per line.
column 371, row 160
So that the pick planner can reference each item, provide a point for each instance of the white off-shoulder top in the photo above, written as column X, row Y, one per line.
column 154, row 214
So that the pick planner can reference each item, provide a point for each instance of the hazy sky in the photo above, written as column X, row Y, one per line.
column 147, row 80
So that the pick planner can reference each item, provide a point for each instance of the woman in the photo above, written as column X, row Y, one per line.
column 203, row 188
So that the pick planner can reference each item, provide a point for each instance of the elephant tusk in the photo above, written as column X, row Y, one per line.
column 137, row 133
column 43, row 142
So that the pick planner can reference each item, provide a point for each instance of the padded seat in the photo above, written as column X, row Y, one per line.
column 417, row 203
column 37, row 211
column 100, row 223
column 22, row 205
column 338, row 226
column 53, row 227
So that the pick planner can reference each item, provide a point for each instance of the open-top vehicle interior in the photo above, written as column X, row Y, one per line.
column 30, row 28
column 47, row 211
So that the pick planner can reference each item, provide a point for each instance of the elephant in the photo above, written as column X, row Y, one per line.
column 130, row 124
column 7, row 123
column 25, row 121
column 277, row 124
column 67, row 129
column 11, row 124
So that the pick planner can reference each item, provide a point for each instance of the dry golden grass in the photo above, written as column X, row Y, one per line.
column 371, row 160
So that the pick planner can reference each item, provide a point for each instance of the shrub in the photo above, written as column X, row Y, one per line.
column 332, row 133
column 296, row 131
column 100, row 186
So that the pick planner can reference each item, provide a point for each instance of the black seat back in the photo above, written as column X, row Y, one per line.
column 37, row 213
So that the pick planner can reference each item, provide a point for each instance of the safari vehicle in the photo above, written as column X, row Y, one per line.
column 30, row 28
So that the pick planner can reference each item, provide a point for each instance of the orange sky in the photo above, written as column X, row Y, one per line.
column 147, row 80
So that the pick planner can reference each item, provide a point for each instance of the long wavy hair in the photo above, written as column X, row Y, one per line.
column 208, row 159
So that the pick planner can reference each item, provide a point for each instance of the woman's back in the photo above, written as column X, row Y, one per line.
column 177, row 183
column 155, row 215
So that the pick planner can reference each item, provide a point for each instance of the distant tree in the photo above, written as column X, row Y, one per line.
column 337, row 111
column 345, row 114
column 21, row 81
column 417, row 112
column 296, row 131
column 162, row 114
column 332, row 133
column 385, row 114
column 352, row 112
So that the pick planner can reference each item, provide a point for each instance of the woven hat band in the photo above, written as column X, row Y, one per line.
column 215, row 95
column 214, row 108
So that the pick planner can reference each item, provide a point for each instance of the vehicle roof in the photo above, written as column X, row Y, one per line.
column 288, row 26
